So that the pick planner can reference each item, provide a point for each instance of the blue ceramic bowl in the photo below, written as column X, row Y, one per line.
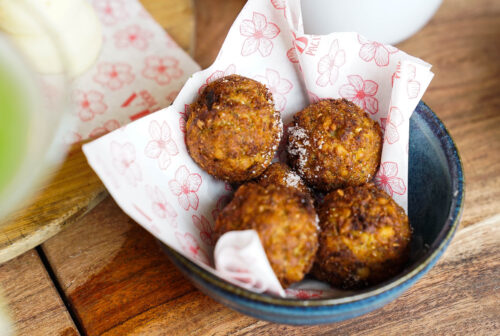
column 435, row 204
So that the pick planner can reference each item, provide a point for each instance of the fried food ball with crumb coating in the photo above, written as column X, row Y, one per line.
column 334, row 144
column 280, row 174
column 364, row 237
column 286, row 222
column 233, row 129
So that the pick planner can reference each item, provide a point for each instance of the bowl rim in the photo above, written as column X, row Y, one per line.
column 455, row 211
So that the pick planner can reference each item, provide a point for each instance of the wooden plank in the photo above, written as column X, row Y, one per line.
column 75, row 188
column 118, row 281
column 33, row 302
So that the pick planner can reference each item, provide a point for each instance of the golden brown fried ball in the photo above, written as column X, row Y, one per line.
column 286, row 222
column 233, row 129
column 364, row 237
column 333, row 144
column 280, row 174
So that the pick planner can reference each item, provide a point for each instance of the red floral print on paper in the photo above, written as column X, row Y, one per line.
column 259, row 34
column 184, row 116
column 413, row 86
column 207, row 233
column 110, row 11
column 300, row 43
column 161, row 147
column 190, row 246
column 114, row 75
column 328, row 65
column 108, row 126
column 221, row 203
column 279, row 5
column 371, row 50
column 89, row 104
column 123, row 158
column 387, row 179
column 278, row 86
column 361, row 92
column 217, row 74
column 132, row 36
column 390, row 125
column 184, row 186
column 292, row 55
column 304, row 294
column 161, row 208
column 162, row 69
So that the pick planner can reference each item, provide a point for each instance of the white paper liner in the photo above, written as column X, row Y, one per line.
column 147, row 169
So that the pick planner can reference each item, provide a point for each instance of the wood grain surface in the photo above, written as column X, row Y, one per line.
column 75, row 188
column 117, row 281
column 35, row 306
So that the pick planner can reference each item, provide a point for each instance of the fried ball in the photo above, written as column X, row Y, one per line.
column 233, row 129
column 286, row 222
column 334, row 144
column 280, row 174
column 364, row 237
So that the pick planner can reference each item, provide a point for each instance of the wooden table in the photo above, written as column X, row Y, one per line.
column 107, row 276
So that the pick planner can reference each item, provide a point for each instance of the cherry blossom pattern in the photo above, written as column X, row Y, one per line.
column 387, row 179
column 184, row 186
column 207, row 233
column 390, row 125
column 221, row 203
column 107, row 127
column 413, row 86
column 114, row 75
column 161, row 208
column 161, row 147
column 191, row 247
column 361, row 92
column 278, row 86
column 328, row 65
column 182, row 120
column 123, row 158
column 218, row 74
column 161, row 69
column 292, row 55
column 258, row 33
column 110, row 11
column 279, row 5
column 371, row 50
column 89, row 104
column 132, row 36
column 304, row 294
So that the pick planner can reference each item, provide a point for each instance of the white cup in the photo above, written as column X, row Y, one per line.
column 385, row 21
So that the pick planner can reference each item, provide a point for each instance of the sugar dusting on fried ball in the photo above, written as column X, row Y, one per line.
column 364, row 237
column 286, row 222
column 280, row 174
column 334, row 144
column 233, row 129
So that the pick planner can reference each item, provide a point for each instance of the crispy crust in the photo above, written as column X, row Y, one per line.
column 334, row 144
column 364, row 239
column 285, row 220
column 280, row 174
column 233, row 129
